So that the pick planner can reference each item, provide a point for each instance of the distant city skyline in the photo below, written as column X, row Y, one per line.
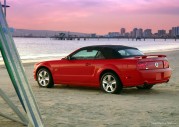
column 146, row 33
column 92, row 16
column 135, row 33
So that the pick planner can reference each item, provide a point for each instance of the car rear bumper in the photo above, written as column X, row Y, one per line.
column 155, row 76
column 149, row 77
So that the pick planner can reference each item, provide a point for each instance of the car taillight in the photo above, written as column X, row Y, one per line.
column 166, row 64
column 142, row 66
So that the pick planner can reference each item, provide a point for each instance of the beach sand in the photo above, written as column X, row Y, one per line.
column 64, row 106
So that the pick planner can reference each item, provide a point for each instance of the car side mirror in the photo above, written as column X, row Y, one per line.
column 68, row 58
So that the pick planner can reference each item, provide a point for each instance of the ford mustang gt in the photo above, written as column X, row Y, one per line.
column 109, row 67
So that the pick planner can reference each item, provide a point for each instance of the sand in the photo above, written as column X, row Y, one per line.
column 65, row 106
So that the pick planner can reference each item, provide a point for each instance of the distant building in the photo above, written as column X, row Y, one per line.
column 161, row 33
column 155, row 35
column 147, row 33
column 139, row 33
column 127, row 35
column 123, row 31
column 93, row 35
column 131, row 34
column 170, row 33
column 175, row 31
column 134, row 32
column 114, row 34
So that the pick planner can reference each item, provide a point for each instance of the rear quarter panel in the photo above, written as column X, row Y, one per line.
column 126, row 69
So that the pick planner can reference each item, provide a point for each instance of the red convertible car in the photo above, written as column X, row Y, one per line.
column 110, row 67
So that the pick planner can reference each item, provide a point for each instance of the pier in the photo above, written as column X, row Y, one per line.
column 108, row 38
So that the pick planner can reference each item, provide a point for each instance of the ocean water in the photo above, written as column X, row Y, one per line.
column 46, row 48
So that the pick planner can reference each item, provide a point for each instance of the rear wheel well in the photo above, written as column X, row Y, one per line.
column 109, row 70
column 110, row 82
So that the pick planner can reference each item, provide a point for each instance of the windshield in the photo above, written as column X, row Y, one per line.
column 130, row 52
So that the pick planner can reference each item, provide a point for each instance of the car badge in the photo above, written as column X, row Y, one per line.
column 156, row 64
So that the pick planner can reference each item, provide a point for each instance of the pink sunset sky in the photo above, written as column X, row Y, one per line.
column 93, row 16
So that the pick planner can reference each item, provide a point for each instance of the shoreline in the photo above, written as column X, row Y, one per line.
column 33, row 61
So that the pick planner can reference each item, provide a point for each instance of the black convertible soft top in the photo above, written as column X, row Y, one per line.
column 109, row 51
column 110, row 46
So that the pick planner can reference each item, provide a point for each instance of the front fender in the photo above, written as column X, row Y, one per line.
column 37, row 66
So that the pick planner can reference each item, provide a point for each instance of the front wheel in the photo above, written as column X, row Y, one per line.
column 44, row 78
column 145, row 87
column 110, row 83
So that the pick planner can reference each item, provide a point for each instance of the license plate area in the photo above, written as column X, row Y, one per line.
column 158, row 76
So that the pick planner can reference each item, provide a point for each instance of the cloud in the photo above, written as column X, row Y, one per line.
column 144, row 7
column 153, row 7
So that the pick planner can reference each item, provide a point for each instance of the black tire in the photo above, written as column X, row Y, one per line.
column 145, row 87
column 44, row 78
column 107, row 85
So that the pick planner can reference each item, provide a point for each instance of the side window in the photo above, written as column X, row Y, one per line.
column 84, row 54
column 99, row 55
column 123, row 53
column 130, row 52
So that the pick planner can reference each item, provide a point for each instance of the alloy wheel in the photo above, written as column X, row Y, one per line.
column 43, row 78
column 109, row 83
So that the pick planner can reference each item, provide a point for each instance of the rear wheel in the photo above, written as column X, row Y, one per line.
column 110, row 83
column 44, row 78
column 145, row 87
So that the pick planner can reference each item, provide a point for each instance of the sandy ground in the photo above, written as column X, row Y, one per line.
column 84, row 107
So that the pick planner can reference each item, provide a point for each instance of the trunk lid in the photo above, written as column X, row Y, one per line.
column 149, row 62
